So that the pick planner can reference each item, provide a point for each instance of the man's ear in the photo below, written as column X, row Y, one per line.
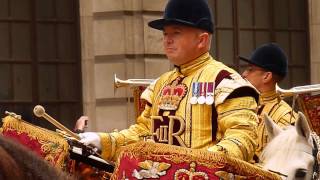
column 203, row 40
column 267, row 76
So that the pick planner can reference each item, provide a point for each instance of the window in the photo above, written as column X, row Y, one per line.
column 40, row 59
column 243, row 25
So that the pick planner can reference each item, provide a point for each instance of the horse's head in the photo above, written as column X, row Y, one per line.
column 291, row 152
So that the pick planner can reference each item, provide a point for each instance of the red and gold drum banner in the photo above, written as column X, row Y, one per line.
column 311, row 108
column 147, row 160
column 139, row 103
column 47, row 144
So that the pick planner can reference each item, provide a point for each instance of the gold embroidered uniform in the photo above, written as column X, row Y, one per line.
column 228, row 124
column 281, row 113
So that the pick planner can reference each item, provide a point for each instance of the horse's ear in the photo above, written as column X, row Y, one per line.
column 272, row 128
column 302, row 126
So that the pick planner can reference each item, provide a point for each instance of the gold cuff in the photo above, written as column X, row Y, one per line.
column 106, row 144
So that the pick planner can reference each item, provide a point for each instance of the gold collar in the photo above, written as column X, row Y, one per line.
column 269, row 96
column 190, row 67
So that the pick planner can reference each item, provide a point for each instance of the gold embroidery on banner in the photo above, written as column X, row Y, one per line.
column 183, row 173
column 176, row 155
column 227, row 175
column 48, row 139
column 151, row 169
column 50, row 148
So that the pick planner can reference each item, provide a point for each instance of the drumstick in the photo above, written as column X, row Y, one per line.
column 39, row 111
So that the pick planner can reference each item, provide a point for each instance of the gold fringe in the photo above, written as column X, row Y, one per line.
column 106, row 144
column 48, row 139
column 176, row 154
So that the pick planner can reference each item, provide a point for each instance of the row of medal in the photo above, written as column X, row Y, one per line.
column 202, row 93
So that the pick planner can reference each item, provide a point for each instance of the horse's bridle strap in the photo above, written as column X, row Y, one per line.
column 315, row 151
column 279, row 173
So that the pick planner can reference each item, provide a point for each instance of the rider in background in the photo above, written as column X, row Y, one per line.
column 268, row 65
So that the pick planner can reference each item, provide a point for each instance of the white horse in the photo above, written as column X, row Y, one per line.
column 292, row 152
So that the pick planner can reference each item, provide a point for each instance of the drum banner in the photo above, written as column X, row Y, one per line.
column 139, row 103
column 310, row 105
column 148, row 160
column 47, row 144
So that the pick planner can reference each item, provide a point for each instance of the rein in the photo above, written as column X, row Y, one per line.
column 279, row 173
column 316, row 155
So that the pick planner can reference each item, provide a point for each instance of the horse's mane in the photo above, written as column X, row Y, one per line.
column 283, row 146
column 18, row 162
column 8, row 167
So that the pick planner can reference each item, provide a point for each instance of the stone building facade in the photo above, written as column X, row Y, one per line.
column 115, row 39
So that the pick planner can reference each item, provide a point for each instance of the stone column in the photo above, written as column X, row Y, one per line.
column 314, row 19
column 116, row 39
column 87, row 60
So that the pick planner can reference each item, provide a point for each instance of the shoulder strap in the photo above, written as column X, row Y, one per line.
column 214, row 115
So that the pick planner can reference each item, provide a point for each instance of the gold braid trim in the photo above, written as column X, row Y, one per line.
column 106, row 144
column 176, row 154
column 241, row 103
column 51, row 142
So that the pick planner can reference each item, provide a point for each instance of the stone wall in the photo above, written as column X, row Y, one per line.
column 314, row 21
column 116, row 39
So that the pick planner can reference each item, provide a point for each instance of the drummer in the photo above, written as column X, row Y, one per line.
column 201, row 103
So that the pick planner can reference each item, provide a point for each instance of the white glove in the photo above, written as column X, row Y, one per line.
column 91, row 138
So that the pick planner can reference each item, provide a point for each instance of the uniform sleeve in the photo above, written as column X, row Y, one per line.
column 112, row 141
column 237, row 124
column 287, row 119
column 283, row 115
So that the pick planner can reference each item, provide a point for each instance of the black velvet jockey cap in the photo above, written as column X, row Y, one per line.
column 194, row 13
column 270, row 57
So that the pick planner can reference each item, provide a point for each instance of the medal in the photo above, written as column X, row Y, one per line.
column 209, row 100
column 202, row 99
column 210, row 93
column 193, row 100
column 195, row 91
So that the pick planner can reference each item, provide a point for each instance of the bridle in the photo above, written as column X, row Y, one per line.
column 316, row 155
column 279, row 173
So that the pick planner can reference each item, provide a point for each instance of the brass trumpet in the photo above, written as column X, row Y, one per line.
column 131, row 82
column 297, row 90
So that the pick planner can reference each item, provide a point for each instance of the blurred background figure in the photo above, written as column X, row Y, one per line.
column 267, row 66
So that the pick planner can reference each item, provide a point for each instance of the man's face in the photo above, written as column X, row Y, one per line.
column 181, row 43
column 255, row 75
